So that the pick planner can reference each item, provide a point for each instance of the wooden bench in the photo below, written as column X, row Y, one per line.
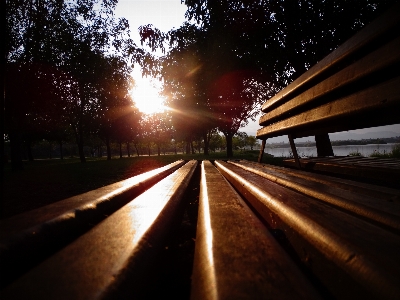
column 356, row 86
column 383, row 171
column 262, row 231
column 342, row 236
column 85, row 247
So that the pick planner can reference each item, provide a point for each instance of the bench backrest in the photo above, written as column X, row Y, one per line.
column 356, row 86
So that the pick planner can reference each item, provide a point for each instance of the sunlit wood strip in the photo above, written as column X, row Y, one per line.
column 45, row 230
column 386, row 213
column 236, row 257
column 349, row 249
column 115, row 256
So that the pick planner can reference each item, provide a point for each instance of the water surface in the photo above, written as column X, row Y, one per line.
column 365, row 150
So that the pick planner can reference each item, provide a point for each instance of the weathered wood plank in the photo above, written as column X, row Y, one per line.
column 381, row 59
column 384, row 210
column 381, row 172
column 87, row 201
column 46, row 229
column 364, row 38
column 351, row 257
column 113, row 259
column 236, row 257
column 380, row 98
column 379, row 192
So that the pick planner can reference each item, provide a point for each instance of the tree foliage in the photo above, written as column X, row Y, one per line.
column 281, row 38
column 76, row 57
column 233, row 55
column 68, row 66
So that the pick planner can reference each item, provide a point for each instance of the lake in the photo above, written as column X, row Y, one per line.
column 365, row 150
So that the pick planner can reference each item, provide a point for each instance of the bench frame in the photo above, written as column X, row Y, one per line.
column 354, row 87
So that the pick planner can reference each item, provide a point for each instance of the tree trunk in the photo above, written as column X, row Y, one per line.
column 120, row 150
column 16, row 155
column 81, row 152
column 61, row 150
column 79, row 141
column 229, row 144
column 128, row 149
column 158, row 150
column 206, row 144
column 50, row 149
column 187, row 147
column 108, row 148
column 80, row 148
column 191, row 147
column 29, row 150
column 137, row 149
column 99, row 152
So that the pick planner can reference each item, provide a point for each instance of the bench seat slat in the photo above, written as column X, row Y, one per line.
column 383, row 210
column 123, row 246
column 356, row 187
column 89, row 200
column 379, row 60
column 379, row 192
column 236, row 257
column 351, row 257
column 363, row 39
column 348, row 112
column 376, row 170
column 46, row 229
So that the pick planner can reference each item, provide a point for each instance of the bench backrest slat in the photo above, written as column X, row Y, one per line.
column 354, row 87
column 382, row 28
column 377, row 62
column 374, row 106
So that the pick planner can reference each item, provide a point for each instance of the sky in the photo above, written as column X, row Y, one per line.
column 168, row 14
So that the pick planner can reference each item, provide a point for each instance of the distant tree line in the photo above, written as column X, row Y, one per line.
column 380, row 141
column 95, row 147
column 68, row 64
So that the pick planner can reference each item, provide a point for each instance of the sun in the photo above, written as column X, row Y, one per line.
column 146, row 96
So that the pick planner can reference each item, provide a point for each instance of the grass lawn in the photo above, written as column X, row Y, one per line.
column 42, row 182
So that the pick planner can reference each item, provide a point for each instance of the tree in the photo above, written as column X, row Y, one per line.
column 251, row 141
column 185, row 85
column 158, row 130
column 206, row 84
column 235, row 98
column 34, row 107
column 242, row 52
column 30, row 29
column 239, row 141
column 95, row 32
column 216, row 142
column 71, row 37
column 281, row 39
column 115, row 113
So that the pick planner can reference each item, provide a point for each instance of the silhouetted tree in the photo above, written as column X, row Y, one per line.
column 240, row 45
column 251, row 141
column 71, row 38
